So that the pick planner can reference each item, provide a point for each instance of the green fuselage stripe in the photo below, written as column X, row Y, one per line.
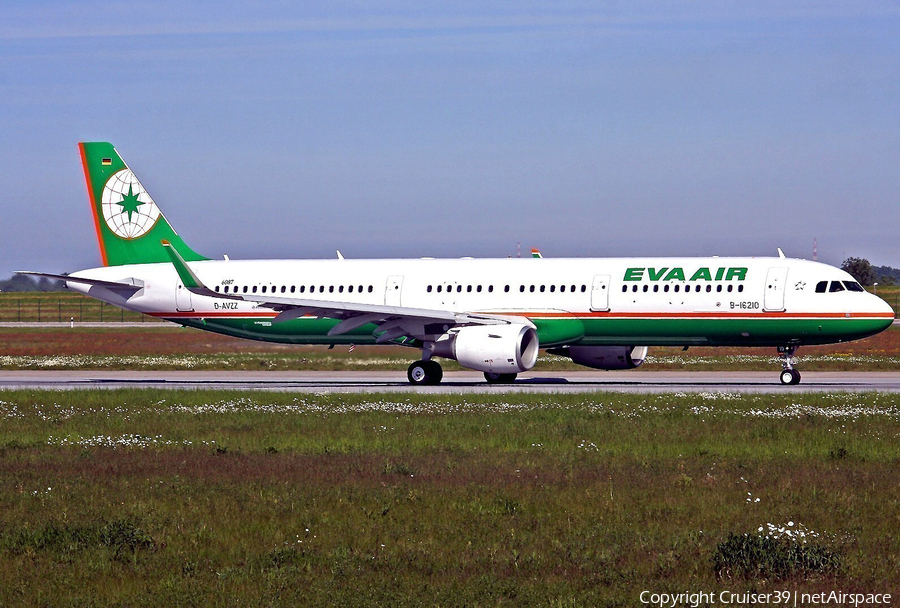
column 599, row 331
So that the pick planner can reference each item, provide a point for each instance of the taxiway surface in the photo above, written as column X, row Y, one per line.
column 454, row 382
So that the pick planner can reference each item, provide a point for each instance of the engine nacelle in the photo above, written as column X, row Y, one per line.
column 604, row 357
column 501, row 349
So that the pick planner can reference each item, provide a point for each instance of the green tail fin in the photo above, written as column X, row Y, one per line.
column 129, row 224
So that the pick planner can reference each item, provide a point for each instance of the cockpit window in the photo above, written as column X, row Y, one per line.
column 821, row 286
column 836, row 286
column 853, row 286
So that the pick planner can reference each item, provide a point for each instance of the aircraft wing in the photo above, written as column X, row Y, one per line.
column 393, row 321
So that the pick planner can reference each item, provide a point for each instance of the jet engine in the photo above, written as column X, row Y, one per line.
column 500, row 349
column 603, row 357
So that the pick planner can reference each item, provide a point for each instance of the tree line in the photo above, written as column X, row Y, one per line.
column 866, row 274
column 23, row 282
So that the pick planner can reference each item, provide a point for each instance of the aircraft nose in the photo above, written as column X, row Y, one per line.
column 882, row 308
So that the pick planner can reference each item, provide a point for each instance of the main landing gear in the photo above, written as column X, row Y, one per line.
column 429, row 372
column 788, row 374
column 425, row 372
column 494, row 378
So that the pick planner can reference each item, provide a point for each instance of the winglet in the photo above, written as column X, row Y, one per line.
column 186, row 275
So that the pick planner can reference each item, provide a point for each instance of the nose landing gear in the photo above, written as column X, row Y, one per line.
column 788, row 374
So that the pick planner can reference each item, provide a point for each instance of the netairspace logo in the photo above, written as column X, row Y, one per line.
column 791, row 598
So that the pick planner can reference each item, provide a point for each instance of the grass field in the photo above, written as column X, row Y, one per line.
column 168, row 347
column 161, row 345
column 149, row 498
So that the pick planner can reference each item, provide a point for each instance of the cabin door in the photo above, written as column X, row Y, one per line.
column 775, row 283
column 392, row 290
column 600, row 293
column 182, row 298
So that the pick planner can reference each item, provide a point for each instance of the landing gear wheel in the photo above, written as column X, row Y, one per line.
column 437, row 372
column 494, row 378
column 425, row 372
column 788, row 374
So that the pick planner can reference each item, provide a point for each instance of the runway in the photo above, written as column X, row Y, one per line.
column 454, row 382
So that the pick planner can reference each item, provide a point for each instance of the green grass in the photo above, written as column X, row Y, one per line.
column 188, row 349
column 148, row 498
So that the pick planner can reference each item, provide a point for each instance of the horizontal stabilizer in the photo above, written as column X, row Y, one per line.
column 125, row 288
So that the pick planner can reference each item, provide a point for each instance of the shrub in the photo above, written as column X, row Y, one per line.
column 761, row 557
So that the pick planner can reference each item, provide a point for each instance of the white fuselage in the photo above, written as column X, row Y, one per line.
column 643, row 301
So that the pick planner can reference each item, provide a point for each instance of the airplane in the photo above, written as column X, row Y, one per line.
column 490, row 315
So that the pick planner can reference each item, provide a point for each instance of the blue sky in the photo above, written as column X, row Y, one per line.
column 408, row 129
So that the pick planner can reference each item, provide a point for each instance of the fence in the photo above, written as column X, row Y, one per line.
column 49, row 307
column 53, row 307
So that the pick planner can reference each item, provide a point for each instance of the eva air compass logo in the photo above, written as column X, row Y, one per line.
column 127, row 208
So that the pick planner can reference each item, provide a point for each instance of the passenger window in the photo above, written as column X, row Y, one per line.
column 321, row 289
column 730, row 288
column 469, row 289
column 490, row 288
column 853, row 286
column 666, row 289
column 624, row 288
column 656, row 289
column 506, row 288
column 254, row 289
column 370, row 289
column 429, row 289
column 478, row 289
column 677, row 288
column 573, row 289
column 217, row 289
column 552, row 288
column 264, row 289
column 836, row 286
column 562, row 288
column 718, row 289
column 439, row 288
column 341, row 289
column 293, row 288
column 634, row 288
column 303, row 289
column 350, row 289
column 708, row 288
column 740, row 288
column 646, row 287
column 531, row 289
column 542, row 288
column 821, row 286
column 331, row 289
column 583, row 288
